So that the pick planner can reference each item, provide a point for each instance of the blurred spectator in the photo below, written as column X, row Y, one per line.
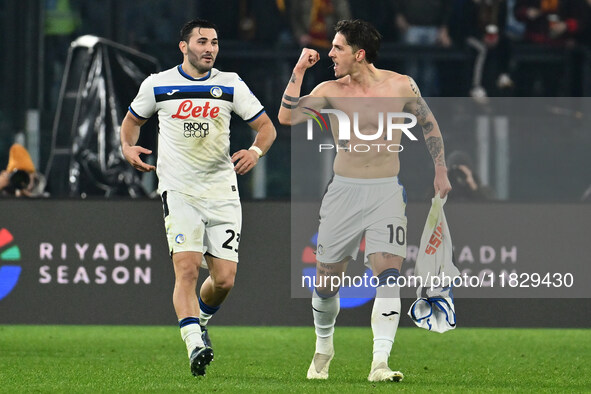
column 285, row 34
column 583, row 36
column 465, row 183
column 424, row 22
column 483, row 25
column 20, row 177
column 61, row 24
column 379, row 13
column 550, row 22
column 514, row 28
column 156, row 21
column 60, row 18
column 263, row 21
column 313, row 21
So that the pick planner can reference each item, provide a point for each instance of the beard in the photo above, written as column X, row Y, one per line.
column 201, row 67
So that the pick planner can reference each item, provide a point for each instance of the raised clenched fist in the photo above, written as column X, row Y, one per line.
column 308, row 58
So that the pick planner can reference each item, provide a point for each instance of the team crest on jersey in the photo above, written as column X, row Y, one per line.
column 216, row 92
column 320, row 250
column 179, row 239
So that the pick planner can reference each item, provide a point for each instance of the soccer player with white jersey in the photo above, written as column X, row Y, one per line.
column 197, row 175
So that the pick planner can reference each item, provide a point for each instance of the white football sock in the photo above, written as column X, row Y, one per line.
column 385, row 316
column 325, row 311
column 191, row 334
column 204, row 318
column 206, row 312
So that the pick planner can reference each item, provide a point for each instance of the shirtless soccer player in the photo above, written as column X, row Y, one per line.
column 197, row 175
column 365, row 197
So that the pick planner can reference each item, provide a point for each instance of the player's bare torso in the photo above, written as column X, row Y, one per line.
column 374, row 155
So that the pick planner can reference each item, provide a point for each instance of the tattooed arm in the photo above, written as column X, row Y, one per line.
column 291, row 96
column 419, row 108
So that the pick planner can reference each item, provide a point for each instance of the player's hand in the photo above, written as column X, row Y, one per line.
column 132, row 155
column 308, row 58
column 441, row 182
column 244, row 160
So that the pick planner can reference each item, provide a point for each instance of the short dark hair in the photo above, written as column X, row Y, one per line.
column 361, row 35
column 189, row 26
column 19, row 180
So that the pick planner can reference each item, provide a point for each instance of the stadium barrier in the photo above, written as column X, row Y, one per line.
column 106, row 262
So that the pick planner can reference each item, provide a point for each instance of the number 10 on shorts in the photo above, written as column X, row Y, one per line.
column 399, row 235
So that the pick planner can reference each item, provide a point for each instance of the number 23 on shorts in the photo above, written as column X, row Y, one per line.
column 232, row 236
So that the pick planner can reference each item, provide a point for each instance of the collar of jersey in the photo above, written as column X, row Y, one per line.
column 184, row 74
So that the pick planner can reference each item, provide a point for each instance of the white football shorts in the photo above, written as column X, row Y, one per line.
column 352, row 208
column 200, row 225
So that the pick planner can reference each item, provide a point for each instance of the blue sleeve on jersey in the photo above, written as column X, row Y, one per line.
column 262, row 111
column 136, row 115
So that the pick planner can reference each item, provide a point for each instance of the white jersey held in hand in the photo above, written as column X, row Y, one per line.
column 435, row 266
column 194, row 129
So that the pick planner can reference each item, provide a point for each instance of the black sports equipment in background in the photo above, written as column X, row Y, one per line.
column 101, row 78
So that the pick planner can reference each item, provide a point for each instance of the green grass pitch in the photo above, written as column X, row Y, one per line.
column 275, row 359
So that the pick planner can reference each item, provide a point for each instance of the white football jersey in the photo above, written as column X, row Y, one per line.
column 194, row 133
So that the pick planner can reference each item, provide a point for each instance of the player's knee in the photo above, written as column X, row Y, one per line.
column 327, row 285
column 224, row 284
column 327, row 292
column 186, row 273
column 383, row 261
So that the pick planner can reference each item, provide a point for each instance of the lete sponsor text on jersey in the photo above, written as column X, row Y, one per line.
column 186, row 109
